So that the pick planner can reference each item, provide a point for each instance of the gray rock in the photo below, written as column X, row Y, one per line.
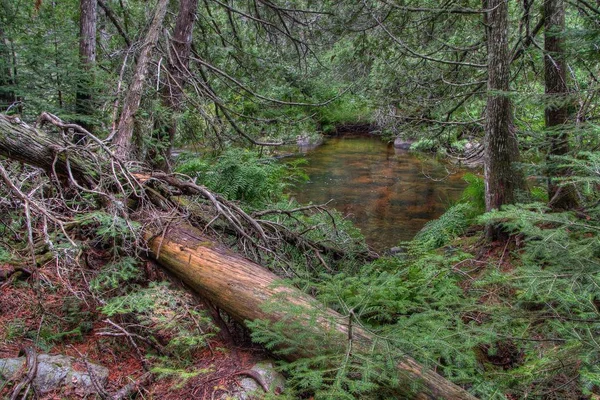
column 55, row 372
column 250, row 389
column 403, row 144
column 397, row 250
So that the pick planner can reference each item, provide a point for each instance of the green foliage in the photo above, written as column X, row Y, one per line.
column 115, row 274
column 412, row 305
column 554, row 295
column 452, row 223
column 242, row 175
column 474, row 193
column 329, row 228
column 169, row 316
column 5, row 255
column 347, row 110
column 15, row 329
column 423, row 144
column 108, row 229
column 585, row 169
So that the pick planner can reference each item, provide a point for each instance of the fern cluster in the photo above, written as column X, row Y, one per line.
column 440, row 231
column 555, row 296
column 240, row 174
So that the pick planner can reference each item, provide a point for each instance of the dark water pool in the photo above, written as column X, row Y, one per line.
column 388, row 193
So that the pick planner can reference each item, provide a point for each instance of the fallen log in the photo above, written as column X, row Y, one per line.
column 241, row 288
column 236, row 285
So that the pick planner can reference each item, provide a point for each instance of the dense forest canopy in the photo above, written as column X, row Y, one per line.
column 138, row 151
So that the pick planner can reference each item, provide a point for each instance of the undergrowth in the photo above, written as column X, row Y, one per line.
column 519, row 320
column 240, row 174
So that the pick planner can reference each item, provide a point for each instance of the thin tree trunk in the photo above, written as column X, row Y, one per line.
column 177, row 67
column 238, row 286
column 7, row 94
column 123, row 137
column 87, row 59
column 557, row 112
column 501, row 149
column 113, row 18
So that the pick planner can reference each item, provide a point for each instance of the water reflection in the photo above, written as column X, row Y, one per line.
column 388, row 193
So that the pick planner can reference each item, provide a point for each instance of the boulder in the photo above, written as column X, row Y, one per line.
column 55, row 372
column 403, row 144
column 249, row 388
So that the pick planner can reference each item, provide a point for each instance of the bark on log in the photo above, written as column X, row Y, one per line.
column 21, row 142
column 238, row 286
column 241, row 288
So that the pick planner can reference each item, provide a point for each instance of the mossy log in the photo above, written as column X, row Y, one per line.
column 236, row 285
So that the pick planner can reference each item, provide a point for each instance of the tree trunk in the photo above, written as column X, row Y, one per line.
column 238, row 286
column 122, row 139
column 500, row 142
column 7, row 80
column 172, row 93
column 87, row 59
column 557, row 111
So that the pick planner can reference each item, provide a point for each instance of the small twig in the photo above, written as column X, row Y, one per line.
column 130, row 337
column 129, row 389
column 99, row 389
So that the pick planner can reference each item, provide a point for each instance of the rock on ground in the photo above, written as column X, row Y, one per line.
column 55, row 372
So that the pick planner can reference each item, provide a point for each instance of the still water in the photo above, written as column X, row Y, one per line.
column 388, row 193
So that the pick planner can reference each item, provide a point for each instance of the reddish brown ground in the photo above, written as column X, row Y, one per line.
column 40, row 304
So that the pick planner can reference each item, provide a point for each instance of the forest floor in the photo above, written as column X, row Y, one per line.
column 56, row 315
column 54, row 312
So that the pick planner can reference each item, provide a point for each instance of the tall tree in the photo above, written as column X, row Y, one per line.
column 7, row 79
column 87, row 59
column 557, row 110
column 177, row 67
column 501, row 149
column 124, row 134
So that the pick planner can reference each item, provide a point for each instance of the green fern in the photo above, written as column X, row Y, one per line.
column 241, row 175
column 474, row 193
column 452, row 223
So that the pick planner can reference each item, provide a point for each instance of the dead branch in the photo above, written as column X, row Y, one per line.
column 31, row 372
column 126, row 391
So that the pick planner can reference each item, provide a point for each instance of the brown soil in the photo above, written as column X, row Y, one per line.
column 42, row 305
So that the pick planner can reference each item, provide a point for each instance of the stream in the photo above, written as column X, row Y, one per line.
column 388, row 193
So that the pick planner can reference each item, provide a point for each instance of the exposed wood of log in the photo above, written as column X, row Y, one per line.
column 236, row 285
column 241, row 288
